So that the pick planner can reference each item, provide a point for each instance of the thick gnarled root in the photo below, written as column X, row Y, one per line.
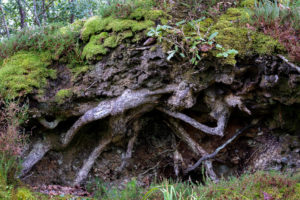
column 124, row 112
column 117, row 106
column 128, row 100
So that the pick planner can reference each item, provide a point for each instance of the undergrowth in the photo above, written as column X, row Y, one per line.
column 12, row 115
column 260, row 185
column 281, row 20
column 54, row 38
column 122, row 9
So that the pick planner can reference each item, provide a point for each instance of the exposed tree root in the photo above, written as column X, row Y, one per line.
column 88, row 164
column 128, row 100
column 195, row 147
column 219, row 130
column 289, row 63
column 137, row 103
column 40, row 148
column 117, row 106
column 130, row 146
column 177, row 157
column 212, row 155
column 178, row 160
column 49, row 125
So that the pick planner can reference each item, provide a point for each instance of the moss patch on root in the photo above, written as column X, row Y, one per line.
column 21, row 73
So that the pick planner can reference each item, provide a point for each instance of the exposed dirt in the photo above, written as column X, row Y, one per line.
column 126, row 93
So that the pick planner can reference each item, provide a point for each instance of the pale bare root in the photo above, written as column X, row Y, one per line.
column 40, row 148
column 49, row 125
column 88, row 164
column 128, row 153
column 128, row 100
column 177, row 157
column 219, row 130
column 212, row 155
column 195, row 147
column 118, row 128
column 137, row 103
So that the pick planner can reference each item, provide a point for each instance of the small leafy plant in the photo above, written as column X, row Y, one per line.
column 158, row 31
column 192, row 44
column 225, row 53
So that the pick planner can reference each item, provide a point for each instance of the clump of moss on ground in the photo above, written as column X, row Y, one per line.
column 233, row 34
column 23, row 72
column 248, row 3
column 116, row 30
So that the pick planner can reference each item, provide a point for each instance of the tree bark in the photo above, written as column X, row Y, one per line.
column 4, row 20
column 72, row 16
column 22, row 14
column 36, row 17
column 44, row 17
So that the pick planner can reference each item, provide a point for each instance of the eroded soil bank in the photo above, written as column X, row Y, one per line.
column 131, row 110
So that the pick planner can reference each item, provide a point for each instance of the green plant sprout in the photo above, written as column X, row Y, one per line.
column 188, row 46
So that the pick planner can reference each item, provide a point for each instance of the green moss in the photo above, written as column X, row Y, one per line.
column 24, row 194
column 74, row 27
column 95, row 48
column 62, row 95
column 137, row 37
column 235, row 14
column 94, row 25
column 235, row 38
column 76, row 71
column 221, row 24
column 155, row 15
column 139, row 26
column 205, row 24
column 146, row 14
column 111, row 41
column 138, row 14
column 232, row 34
column 248, row 3
column 264, row 44
column 121, row 29
column 23, row 72
column 119, row 25
column 124, row 35
column 164, row 21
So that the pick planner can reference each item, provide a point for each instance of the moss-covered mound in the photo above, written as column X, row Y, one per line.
column 23, row 72
column 104, row 33
column 233, row 33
